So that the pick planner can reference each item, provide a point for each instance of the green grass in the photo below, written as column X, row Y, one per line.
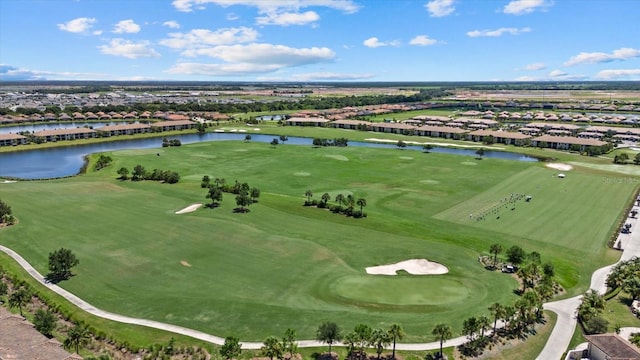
column 283, row 265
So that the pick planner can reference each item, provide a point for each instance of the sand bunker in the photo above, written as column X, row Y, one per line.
column 184, row 263
column 188, row 209
column 413, row 267
column 301, row 173
column 559, row 166
column 406, row 158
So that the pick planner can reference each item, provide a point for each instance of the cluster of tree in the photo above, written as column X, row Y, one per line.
column 103, row 161
column 170, row 142
column 529, row 267
column 139, row 173
column 245, row 194
column 344, row 204
column 360, row 337
column 6, row 218
column 590, row 313
column 625, row 276
column 280, row 349
column 517, row 319
column 623, row 158
column 342, row 142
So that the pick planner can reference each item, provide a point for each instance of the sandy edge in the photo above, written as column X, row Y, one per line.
column 412, row 266
column 559, row 166
column 188, row 209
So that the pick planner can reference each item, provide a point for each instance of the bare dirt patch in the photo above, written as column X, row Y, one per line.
column 560, row 166
column 188, row 209
column 412, row 266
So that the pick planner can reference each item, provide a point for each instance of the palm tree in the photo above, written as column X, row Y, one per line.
column 350, row 201
column 289, row 342
column 339, row 199
column 495, row 249
column 427, row 147
column 397, row 333
column 329, row 332
column 442, row 333
column 480, row 153
column 274, row 142
column 308, row 194
column 272, row 348
column 255, row 194
column 379, row 339
column 483, row 323
column 19, row 298
column 326, row 197
column 362, row 202
column 497, row 310
column 363, row 335
column 77, row 335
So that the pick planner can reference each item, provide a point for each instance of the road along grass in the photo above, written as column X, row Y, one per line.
column 284, row 265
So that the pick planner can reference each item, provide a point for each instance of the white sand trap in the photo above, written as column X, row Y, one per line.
column 8, row 182
column 301, row 173
column 559, row 166
column 405, row 158
column 242, row 130
column 471, row 163
column 184, row 263
column 338, row 157
column 218, row 130
column 256, row 129
column 188, row 209
column 413, row 267
column 234, row 130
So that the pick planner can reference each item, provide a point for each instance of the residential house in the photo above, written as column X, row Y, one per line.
column 12, row 139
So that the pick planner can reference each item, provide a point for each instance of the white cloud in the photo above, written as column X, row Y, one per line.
column 423, row 40
column 171, row 24
column 563, row 76
column 199, row 38
column 346, row 6
column 252, row 59
column 619, row 74
column 526, row 78
column 279, row 55
column 232, row 17
column 78, row 25
column 288, row 18
column 600, row 57
column 318, row 76
column 97, row 32
column 374, row 42
column 128, row 49
column 535, row 66
column 13, row 73
column 440, row 8
column 497, row 32
column 520, row 7
column 126, row 26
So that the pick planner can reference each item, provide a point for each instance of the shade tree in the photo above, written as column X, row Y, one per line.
column 61, row 262
column 329, row 333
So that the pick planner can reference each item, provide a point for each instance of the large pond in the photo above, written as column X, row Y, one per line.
column 68, row 160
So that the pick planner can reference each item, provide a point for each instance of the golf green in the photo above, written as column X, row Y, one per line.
column 284, row 265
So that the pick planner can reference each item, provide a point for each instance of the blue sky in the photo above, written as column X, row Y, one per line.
column 320, row 40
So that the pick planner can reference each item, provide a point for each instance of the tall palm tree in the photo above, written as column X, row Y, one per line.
column 442, row 333
column 362, row 202
column 339, row 199
column 497, row 310
column 379, row 339
column 19, row 298
column 77, row 335
column 308, row 194
column 397, row 333
column 495, row 249
column 483, row 323
column 272, row 348
column 325, row 198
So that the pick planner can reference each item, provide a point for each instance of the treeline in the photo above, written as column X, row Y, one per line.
column 139, row 173
column 297, row 104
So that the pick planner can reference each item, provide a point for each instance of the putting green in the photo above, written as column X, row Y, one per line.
column 402, row 290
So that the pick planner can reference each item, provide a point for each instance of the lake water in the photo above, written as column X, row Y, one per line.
column 68, row 160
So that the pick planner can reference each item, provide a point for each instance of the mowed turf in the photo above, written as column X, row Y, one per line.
column 284, row 265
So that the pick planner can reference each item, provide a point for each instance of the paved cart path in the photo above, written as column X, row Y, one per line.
column 556, row 345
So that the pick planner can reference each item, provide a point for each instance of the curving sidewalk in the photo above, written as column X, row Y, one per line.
column 556, row 345
column 567, row 309
column 183, row 330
